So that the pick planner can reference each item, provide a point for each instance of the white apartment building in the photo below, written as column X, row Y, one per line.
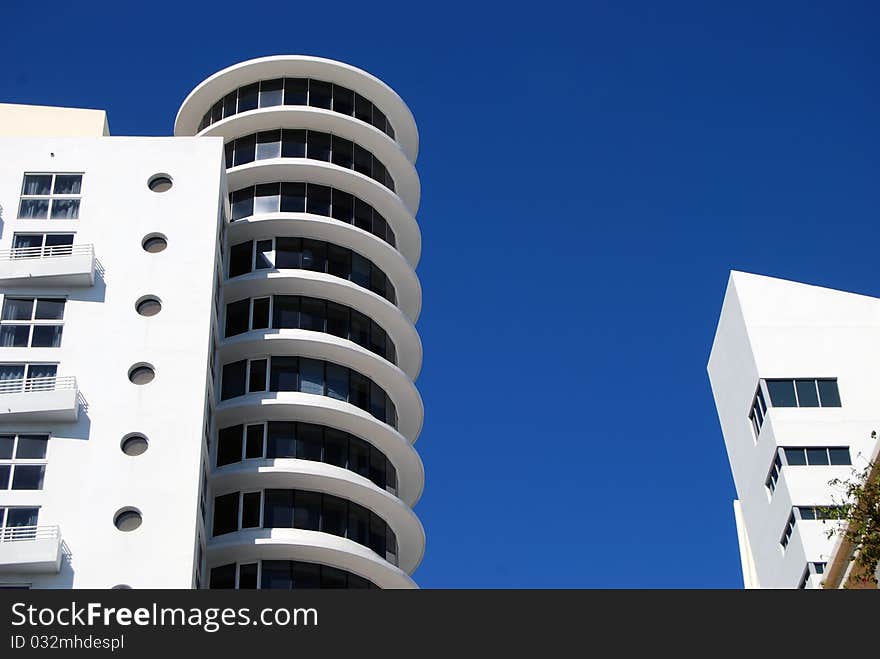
column 794, row 372
column 207, row 340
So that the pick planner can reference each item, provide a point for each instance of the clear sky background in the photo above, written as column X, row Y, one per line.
column 590, row 173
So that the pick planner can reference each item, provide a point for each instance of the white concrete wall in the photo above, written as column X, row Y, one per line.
column 88, row 478
column 771, row 328
column 46, row 121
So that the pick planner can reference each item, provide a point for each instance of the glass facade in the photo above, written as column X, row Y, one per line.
column 313, row 144
column 297, row 91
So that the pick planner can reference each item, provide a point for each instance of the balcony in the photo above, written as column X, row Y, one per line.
column 58, row 265
column 30, row 549
column 39, row 399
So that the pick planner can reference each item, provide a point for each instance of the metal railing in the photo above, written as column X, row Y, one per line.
column 22, row 533
column 47, row 252
column 27, row 385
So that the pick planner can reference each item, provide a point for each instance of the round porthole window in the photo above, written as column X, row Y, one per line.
column 148, row 306
column 134, row 445
column 160, row 183
column 128, row 519
column 155, row 243
column 141, row 374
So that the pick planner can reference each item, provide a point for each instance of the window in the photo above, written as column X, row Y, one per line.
column 50, row 196
column 307, row 376
column 792, row 393
column 806, row 513
column 810, row 570
column 305, row 441
column 318, row 256
column 284, row 575
column 298, row 91
column 312, row 144
column 317, row 199
column 39, row 245
column 804, row 393
column 17, row 523
column 22, row 461
column 27, row 321
column 27, row 377
column 805, row 456
column 308, row 510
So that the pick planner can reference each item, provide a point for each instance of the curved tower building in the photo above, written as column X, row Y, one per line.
column 312, row 475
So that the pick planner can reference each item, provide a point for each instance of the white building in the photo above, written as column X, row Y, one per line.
column 207, row 341
column 794, row 371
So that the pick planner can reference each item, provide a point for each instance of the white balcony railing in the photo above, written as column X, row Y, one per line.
column 64, row 265
column 37, row 384
column 25, row 533
column 31, row 549
column 39, row 399
column 48, row 252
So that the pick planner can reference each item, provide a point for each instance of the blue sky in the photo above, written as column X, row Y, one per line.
column 590, row 173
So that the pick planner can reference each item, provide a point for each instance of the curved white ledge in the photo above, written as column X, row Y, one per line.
column 322, row 285
column 402, row 222
column 327, row 479
column 215, row 87
column 318, row 227
column 318, row 345
column 406, row 180
column 310, row 546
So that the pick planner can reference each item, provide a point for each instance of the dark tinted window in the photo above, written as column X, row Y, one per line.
column 248, row 97
column 233, row 380
column 806, row 393
column 226, row 513
column 237, row 317
column 293, row 197
column 296, row 91
column 271, row 92
column 229, row 445
column 781, row 393
column 223, row 577
column 293, row 144
column 320, row 94
column 828, row 393
column 278, row 509
column 343, row 100
column 839, row 456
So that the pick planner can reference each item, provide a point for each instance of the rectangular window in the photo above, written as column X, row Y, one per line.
column 257, row 375
column 809, row 392
column 242, row 203
column 260, row 319
column 248, row 97
column 36, row 245
column 241, row 258
column 816, row 456
column 22, row 461
column 293, row 143
column 250, row 510
column 281, row 439
column 271, row 92
column 285, row 312
column 343, row 100
column 278, row 509
column 320, row 94
column 267, row 198
column 254, row 441
column 285, row 374
column 233, row 380
column 293, row 197
column 50, row 196
column 318, row 146
column 268, row 144
column 229, row 443
column 225, row 514
column 319, row 198
column 288, row 253
column 310, row 442
column 296, row 91
column 237, row 316
column 311, row 373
